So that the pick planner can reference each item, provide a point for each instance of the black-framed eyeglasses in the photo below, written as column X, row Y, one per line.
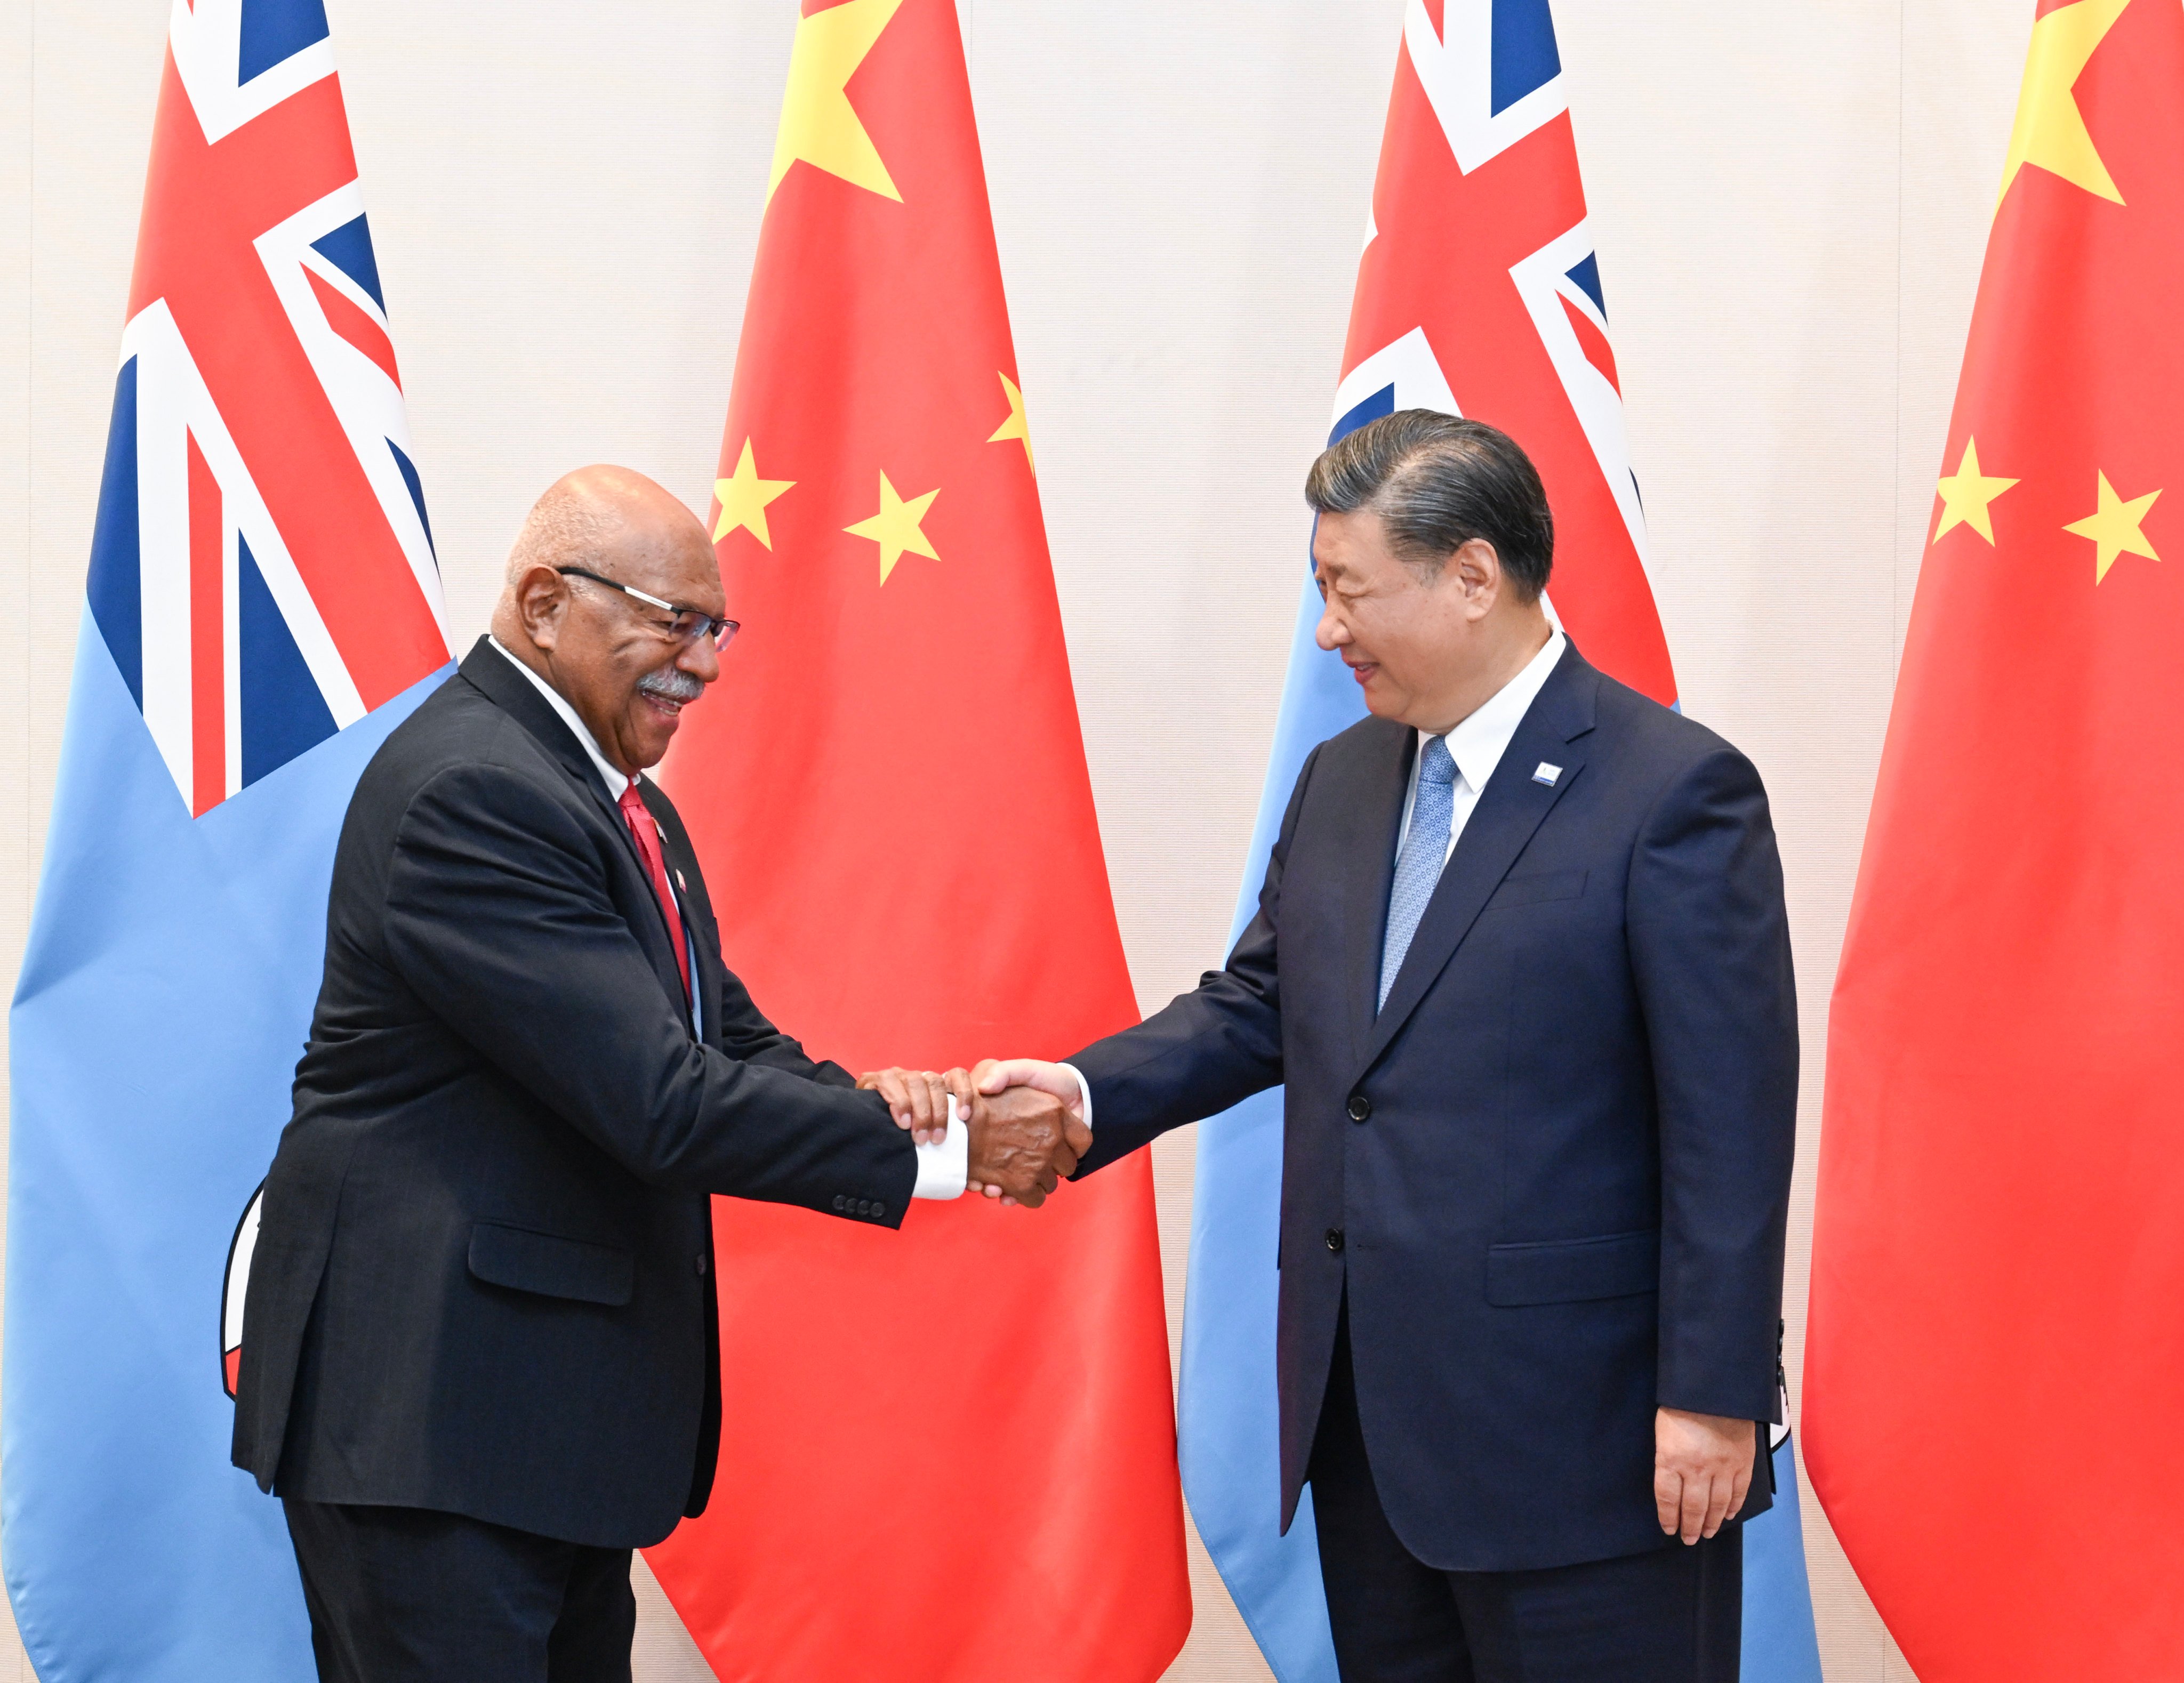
column 686, row 624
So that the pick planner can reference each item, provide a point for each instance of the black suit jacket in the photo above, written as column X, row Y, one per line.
column 483, row 1279
column 1553, row 1173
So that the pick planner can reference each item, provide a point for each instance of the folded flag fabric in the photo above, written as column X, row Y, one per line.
column 263, row 607
column 1998, row 1244
column 925, row 1433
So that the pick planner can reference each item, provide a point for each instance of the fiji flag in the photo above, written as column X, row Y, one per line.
column 1479, row 294
column 263, row 607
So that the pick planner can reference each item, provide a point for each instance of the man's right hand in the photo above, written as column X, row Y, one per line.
column 993, row 1075
column 1024, row 1140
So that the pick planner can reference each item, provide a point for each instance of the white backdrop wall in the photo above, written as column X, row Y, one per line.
column 1791, row 201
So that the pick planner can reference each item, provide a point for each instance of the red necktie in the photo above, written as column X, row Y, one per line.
column 647, row 834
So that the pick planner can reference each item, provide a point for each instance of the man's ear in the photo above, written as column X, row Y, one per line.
column 541, row 599
column 1479, row 575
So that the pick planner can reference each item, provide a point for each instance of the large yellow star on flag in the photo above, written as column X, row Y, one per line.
column 743, row 498
column 2116, row 527
column 1016, row 426
column 819, row 126
column 896, row 528
column 1966, row 495
column 2050, row 129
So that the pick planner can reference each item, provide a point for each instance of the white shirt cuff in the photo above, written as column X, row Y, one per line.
column 944, row 1167
column 1084, row 1094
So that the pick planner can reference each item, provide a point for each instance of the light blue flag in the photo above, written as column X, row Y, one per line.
column 163, row 1000
column 1226, row 1425
column 1782, row 1644
column 261, row 608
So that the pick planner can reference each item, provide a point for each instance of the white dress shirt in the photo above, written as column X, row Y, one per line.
column 942, row 1166
column 1478, row 744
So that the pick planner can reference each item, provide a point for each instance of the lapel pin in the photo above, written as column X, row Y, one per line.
column 680, row 883
column 1546, row 774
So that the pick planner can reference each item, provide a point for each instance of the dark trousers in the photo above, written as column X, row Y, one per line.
column 1671, row 1615
column 398, row 1594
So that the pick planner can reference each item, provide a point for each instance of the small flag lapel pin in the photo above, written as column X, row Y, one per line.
column 1546, row 774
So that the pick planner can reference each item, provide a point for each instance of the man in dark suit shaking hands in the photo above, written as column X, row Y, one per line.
column 1521, row 963
column 480, row 1360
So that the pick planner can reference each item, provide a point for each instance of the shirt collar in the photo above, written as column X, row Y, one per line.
column 1478, row 744
column 615, row 781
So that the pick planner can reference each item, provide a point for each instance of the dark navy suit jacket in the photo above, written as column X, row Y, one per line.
column 1553, row 1173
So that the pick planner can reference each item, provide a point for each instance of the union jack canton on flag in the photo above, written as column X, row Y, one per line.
column 263, row 607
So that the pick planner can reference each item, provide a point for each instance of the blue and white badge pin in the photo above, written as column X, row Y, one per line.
column 1546, row 774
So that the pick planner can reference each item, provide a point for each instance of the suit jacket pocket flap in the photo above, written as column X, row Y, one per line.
column 1531, row 890
column 550, row 1265
column 1573, row 1270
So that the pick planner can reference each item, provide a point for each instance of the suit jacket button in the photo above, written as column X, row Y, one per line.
column 703, row 1265
column 878, row 1209
column 1359, row 1107
column 1334, row 1239
column 864, row 1207
column 840, row 1202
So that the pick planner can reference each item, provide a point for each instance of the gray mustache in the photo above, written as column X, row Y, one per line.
column 672, row 685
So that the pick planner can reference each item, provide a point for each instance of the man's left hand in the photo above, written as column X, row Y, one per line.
column 917, row 1099
column 1701, row 1469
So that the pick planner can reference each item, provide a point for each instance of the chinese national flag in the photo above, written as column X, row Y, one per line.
column 947, row 1454
column 1998, row 1313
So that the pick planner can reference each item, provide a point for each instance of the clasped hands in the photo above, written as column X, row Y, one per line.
column 1027, row 1132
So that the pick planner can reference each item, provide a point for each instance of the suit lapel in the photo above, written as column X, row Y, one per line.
column 706, row 965
column 508, row 689
column 495, row 675
column 1372, row 817
column 1509, row 809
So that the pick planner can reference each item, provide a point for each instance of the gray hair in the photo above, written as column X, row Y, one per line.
column 1437, row 482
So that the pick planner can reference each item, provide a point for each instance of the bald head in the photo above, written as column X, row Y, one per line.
column 605, row 514
column 607, row 653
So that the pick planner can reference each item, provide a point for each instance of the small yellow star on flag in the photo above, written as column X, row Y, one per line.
column 1966, row 495
column 2116, row 527
column 1016, row 426
column 744, row 498
column 2050, row 130
column 896, row 528
column 819, row 126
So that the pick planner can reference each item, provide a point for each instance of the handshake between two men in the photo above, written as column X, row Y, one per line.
column 1520, row 964
column 1025, row 1119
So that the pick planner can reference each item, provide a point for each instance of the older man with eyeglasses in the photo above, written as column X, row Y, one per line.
column 480, row 1360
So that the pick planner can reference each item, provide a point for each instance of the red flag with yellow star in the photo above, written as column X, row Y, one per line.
column 948, row 1453
column 1998, row 1249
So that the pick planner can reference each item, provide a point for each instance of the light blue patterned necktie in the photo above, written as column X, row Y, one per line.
column 1425, row 850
